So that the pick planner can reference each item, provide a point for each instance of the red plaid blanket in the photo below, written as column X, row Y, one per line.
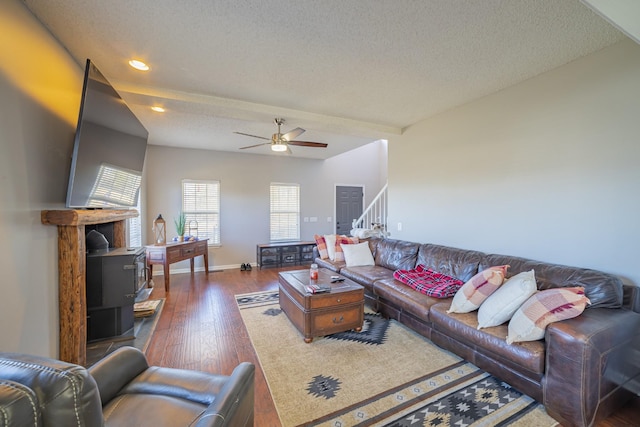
column 429, row 282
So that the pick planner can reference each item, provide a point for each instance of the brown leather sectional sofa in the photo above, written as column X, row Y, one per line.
column 581, row 371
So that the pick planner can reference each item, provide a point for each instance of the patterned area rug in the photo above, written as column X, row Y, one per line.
column 386, row 375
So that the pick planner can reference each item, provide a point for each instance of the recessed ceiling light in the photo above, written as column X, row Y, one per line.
column 158, row 109
column 138, row 65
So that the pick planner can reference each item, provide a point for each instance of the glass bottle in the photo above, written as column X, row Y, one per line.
column 313, row 272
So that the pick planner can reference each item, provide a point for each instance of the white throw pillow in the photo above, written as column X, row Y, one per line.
column 357, row 254
column 500, row 306
column 330, row 239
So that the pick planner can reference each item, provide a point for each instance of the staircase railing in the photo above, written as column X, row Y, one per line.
column 375, row 215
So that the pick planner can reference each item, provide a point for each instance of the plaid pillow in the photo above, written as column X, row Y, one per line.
column 322, row 246
column 473, row 293
column 551, row 305
column 343, row 240
column 429, row 282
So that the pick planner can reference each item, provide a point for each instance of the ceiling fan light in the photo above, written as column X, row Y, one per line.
column 278, row 147
column 139, row 65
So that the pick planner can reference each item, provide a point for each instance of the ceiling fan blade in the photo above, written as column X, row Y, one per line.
column 257, row 145
column 293, row 134
column 253, row 136
column 308, row 144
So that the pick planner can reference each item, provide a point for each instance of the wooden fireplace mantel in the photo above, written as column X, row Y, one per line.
column 72, row 271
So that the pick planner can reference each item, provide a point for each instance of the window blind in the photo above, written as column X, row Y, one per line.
column 135, row 229
column 201, row 207
column 285, row 212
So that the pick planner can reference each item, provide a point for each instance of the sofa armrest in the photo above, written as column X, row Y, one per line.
column 631, row 297
column 18, row 405
column 234, row 404
column 116, row 370
column 66, row 393
column 581, row 356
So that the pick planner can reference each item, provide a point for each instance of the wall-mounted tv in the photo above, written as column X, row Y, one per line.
column 109, row 148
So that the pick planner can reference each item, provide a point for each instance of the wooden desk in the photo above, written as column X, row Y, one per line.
column 174, row 252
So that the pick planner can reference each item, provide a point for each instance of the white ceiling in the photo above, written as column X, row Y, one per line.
column 348, row 71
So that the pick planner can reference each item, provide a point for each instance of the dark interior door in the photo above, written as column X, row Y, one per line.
column 349, row 205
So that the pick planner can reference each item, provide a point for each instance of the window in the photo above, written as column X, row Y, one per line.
column 201, row 207
column 134, row 227
column 285, row 212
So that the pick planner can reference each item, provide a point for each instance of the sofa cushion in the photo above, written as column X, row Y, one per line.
column 429, row 282
column 545, row 307
column 603, row 290
column 477, row 289
column 331, row 265
column 396, row 254
column 366, row 275
column 464, row 328
column 500, row 306
column 459, row 263
column 405, row 298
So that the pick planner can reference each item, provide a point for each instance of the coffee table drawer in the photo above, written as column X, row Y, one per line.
column 341, row 319
column 332, row 300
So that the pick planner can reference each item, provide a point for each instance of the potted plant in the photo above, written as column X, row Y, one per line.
column 180, row 223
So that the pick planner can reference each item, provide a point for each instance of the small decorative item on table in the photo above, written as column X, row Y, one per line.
column 159, row 231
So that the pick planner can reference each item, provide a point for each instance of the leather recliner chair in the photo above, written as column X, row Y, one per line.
column 121, row 390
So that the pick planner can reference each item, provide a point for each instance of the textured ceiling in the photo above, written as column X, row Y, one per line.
column 348, row 71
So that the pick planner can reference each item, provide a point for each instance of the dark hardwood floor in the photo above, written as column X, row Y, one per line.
column 200, row 328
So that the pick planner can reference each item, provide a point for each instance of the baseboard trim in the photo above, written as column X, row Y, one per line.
column 159, row 272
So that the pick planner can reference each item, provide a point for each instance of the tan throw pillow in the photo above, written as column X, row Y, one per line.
column 503, row 303
column 551, row 305
column 330, row 240
column 473, row 293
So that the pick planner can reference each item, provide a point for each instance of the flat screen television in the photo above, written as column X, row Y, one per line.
column 109, row 148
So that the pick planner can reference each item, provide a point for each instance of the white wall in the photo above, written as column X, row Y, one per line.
column 40, row 89
column 244, row 183
column 548, row 169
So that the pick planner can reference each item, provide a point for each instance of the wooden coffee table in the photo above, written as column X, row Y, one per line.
column 321, row 314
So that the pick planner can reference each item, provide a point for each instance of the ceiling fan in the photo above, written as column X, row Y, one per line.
column 281, row 142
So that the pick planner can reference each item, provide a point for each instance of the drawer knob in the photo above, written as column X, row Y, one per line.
column 338, row 321
column 339, row 300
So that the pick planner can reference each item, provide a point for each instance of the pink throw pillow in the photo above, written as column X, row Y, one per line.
column 551, row 305
column 322, row 246
column 473, row 293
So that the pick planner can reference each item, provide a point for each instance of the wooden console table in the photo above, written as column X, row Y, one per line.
column 72, row 271
column 174, row 252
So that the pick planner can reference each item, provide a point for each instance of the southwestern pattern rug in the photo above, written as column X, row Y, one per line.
column 385, row 375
